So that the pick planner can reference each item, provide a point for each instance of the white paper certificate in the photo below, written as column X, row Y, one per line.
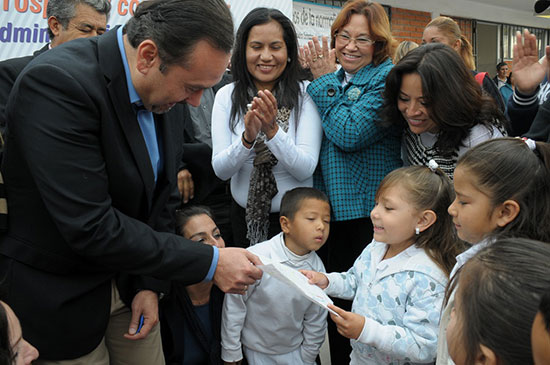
column 298, row 281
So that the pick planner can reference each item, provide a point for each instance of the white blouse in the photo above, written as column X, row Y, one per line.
column 297, row 150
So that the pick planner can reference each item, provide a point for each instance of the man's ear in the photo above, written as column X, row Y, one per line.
column 507, row 212
column 147, row 56
column 427, row 218
column 486, row 356
column 285, row 224
column 54, row 25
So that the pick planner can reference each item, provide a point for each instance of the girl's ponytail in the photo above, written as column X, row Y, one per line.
column 466, row 52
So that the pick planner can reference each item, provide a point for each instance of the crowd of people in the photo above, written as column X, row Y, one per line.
column 386, row 175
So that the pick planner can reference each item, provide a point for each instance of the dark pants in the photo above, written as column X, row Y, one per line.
column 346, row 241
column 238, row 224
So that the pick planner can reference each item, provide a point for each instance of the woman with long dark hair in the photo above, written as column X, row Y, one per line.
column 266, row 131
column 434, row 97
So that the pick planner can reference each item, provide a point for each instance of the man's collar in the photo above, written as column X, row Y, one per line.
column 132, row 93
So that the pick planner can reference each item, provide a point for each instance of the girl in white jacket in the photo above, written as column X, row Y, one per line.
column 398, row 283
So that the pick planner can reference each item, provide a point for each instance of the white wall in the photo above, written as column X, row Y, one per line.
column 239, row 8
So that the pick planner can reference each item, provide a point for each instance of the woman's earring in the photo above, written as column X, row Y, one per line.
column 417, row 231
column 288, row 60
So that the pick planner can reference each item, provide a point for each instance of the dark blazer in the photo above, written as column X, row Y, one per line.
column 9, row 70
column 83, row 205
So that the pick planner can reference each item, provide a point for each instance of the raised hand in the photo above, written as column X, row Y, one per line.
column 528, row 72
column 320, row 60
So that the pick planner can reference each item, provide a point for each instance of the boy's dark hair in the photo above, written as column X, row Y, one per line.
column 184, row 215
column 442, row 72
column 506, row 168
column 431, row 190
column 499, row 293
column 292, row 200
column 287, row 87
column 544, row 308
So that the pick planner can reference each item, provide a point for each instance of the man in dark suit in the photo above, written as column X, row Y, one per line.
column 90, row 173
column 67, row 20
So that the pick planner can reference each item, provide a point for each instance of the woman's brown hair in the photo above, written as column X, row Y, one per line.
column 378, row 23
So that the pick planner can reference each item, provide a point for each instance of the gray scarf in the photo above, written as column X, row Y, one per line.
column 263, row 186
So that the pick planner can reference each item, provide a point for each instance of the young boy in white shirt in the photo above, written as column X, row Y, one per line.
column 272, row 323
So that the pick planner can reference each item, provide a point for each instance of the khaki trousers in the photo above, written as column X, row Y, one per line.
column 114, row 349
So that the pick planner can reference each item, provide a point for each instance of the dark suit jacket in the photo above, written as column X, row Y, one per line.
column 83, row 206
column 9, row 70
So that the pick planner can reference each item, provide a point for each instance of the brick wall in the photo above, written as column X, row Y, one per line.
column 408, row 25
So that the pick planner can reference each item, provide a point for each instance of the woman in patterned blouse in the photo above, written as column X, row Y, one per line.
column 433, row 96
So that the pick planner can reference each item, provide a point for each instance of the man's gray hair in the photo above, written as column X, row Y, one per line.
column 65, row 10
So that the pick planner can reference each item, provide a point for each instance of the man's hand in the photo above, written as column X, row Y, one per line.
column 145, row 303
column 349, row 324
column 186, row 185
column 528, row 72
column 236, row 270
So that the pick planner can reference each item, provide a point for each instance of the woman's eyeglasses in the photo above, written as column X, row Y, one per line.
column 362, row 41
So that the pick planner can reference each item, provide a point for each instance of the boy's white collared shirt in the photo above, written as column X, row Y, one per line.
column 272, row 318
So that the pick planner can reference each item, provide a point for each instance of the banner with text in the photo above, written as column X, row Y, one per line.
column 312, row 20
column 23, row 23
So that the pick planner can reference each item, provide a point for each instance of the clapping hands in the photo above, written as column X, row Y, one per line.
column 261, row 116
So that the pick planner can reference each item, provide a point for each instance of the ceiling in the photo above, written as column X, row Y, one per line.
column 525, row 5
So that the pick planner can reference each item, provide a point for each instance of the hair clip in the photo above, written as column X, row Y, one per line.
column 433, row 165
column 530, row 143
